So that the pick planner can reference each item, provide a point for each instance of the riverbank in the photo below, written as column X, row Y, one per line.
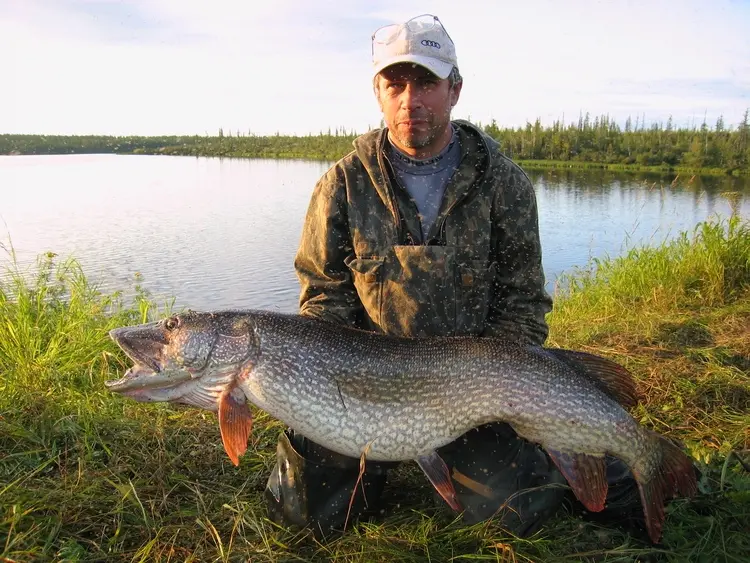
column 89, row 476
column 661, row 169
column 598, row 144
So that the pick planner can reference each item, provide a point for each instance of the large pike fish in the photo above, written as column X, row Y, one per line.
column 392, row 399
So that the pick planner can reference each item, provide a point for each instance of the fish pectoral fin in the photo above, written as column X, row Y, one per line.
column 439, row 475
column 610, row 377
column 235, row 422
column 587, row 476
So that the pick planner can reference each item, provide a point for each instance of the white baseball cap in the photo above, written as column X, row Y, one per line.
column 422, row 40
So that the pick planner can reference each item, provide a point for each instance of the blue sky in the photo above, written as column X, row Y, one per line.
column 156, row 67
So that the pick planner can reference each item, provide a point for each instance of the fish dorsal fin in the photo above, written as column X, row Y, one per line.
column 235, row 422
column 586, row 475
column 610, row 377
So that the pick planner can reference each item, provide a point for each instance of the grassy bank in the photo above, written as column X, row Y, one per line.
column 89, row 476
column 617, row 167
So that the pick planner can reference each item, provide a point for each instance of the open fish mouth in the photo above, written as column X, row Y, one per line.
column 146, row 369
column 144, row 384
column 136, row 376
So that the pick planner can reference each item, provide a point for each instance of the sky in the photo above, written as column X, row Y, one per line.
column 173, row 67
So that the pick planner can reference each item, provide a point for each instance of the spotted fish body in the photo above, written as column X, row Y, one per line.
column 407, row 397
column 393, row 399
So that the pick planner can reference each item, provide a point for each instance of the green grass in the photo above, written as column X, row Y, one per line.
column 89, row 476
column 620, row 167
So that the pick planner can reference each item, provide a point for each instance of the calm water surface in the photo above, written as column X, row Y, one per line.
column 218, row 233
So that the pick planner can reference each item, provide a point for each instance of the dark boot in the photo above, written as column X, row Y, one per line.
column 312, row 486
column 498, row 474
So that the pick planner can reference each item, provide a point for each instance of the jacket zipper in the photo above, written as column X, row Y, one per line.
column 394, row 203
column 458, row 200
column 392, row 195
column 450, row 209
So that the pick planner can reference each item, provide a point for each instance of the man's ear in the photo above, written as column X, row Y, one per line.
column 456, row 93
column 376, row 90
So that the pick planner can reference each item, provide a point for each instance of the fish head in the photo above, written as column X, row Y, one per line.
column 188, row 358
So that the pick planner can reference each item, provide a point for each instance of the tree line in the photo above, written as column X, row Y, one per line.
column 598, row 140
column 602, row 140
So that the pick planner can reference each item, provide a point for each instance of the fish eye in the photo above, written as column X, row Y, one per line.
column 171, row 323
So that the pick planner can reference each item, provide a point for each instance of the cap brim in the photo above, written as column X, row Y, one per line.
column 438, row 68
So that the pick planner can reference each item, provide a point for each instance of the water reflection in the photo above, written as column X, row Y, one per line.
column 219, row 233
column 588, row 214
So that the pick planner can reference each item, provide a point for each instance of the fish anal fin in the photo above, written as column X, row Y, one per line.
column 612, row 378
column 675, row 475
column 587, row 476
column 439, row 475
column 235, row 422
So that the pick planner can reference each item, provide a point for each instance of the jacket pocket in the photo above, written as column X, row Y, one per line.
column 367, row 275
column 474, row 286
column 419, row 293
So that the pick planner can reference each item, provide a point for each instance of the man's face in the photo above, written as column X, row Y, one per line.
column 416, row 107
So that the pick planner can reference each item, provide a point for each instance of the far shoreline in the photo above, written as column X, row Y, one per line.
column 526, row 164
column 596, row 143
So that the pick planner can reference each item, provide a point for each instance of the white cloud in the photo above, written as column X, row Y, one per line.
column 172, row 66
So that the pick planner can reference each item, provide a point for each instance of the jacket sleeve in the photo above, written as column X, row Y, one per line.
column 327, row 291
column 519, row 302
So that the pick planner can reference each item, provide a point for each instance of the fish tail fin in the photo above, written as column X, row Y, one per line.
column 674, row 475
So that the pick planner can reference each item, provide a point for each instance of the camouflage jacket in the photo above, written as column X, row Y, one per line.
column 362, row 260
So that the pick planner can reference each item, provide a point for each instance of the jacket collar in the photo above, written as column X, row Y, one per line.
column 477, row 152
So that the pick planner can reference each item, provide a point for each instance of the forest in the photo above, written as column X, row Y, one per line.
column 586, row 142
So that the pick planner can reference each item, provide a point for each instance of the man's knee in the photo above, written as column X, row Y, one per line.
column 499, row 474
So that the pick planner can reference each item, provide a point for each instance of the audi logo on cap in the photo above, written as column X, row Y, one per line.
column 429, row 43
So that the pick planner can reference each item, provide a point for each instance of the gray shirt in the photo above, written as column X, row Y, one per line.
column 425, row 180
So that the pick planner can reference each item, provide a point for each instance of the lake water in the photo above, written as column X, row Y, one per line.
column 221, row 233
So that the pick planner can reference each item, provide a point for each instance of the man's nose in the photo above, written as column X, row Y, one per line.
column 411, row 97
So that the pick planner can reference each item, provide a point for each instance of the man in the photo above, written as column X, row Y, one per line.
column 425, row 229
